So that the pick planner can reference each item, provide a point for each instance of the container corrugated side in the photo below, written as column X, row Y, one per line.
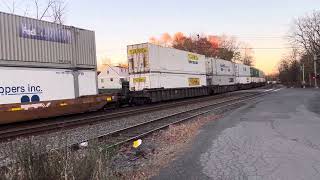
column 86, row 45
column 242, row 70
column 211, row 66
column 254, row 72
column 225, row 67
column 22, row 85
column 243, row 80
column 87, row 82
column 140, row 82
column 221, row 80
column 34, row 43
column 144, row 58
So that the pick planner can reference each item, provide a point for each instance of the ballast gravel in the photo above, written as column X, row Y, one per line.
column 87, row 132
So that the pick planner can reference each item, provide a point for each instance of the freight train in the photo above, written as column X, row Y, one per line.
column 49, row 70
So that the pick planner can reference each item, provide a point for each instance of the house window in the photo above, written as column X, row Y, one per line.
column 102, row 80
column 107, row 72
column 111, row 79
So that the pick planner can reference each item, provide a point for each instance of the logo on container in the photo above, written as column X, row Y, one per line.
column 28, row 93
column 53, row 34
column 193, row 59
column 137, row 51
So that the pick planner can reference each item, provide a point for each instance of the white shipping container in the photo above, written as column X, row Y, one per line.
column 255, row 79
column 225, row 67
column 146, row 57
column 88, row 82
column 242, row 70
column 221, row 80
column 220, row 72
column 219, row 67
column 140, row 82
column 22, row 85
column 243, row 80
column 210, row 66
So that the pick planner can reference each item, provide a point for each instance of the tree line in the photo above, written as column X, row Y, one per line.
column 305, row 40
column 223, row 47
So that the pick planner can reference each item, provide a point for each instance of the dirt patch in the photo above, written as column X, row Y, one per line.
column 157, row 150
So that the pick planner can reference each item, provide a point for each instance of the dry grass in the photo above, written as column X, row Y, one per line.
column 37, row 160
column 33, row 160
column 166, row 145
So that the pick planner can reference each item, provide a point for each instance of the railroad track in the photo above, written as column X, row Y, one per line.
column 128, row 134
column 10, row 132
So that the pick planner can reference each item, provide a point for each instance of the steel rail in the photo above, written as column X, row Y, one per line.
column 134, row 132
column 12, row 133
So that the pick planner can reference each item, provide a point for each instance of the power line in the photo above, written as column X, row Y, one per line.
column 267, row 48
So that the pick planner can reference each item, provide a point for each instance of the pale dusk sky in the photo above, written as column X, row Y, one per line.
column 262, row 24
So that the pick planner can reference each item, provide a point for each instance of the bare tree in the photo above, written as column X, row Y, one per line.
column 51, row 10
column 228, row 48
column 58, row 10
column 306, row 33
column 247, row 55
column 305, row 38
column 290, row 68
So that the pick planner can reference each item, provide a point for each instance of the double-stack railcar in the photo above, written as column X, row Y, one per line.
column 159, row 73
column 49, row 70
column 46, row 70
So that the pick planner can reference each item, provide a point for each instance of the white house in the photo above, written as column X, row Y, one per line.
column 111, row 77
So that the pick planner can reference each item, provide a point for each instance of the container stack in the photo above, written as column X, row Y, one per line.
column 220, row 72
column 43, row 61
column 254, row 75
column 242, row 74
column 153, row 67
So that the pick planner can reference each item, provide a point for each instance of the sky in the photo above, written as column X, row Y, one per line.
column 261, row 24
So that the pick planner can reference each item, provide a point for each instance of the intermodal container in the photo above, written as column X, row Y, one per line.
column 220, row 72
column 27, row 42
column 242, row 74
column 242, row 70
column 30, row 85
column 254, row 72
column 139, row 82
column 150, row 58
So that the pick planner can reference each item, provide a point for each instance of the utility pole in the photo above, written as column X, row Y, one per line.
column 310, row 80
column 315, row 70
column 303, row 81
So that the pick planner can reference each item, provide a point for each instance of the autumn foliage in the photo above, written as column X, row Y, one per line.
column 209, row 45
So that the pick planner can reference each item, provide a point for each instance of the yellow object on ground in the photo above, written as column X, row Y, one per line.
column 137, row 143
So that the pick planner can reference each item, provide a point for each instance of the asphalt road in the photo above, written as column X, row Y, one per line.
column 276, row 138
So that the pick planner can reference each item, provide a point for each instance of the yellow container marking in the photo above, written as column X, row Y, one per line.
column 194, row 81
column 16, row 109
column 139, row 80
column 193, row 57
column 109, row 99
column 63, row 104
column 138, row 51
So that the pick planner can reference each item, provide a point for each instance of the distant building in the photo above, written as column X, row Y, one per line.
column 111, row 77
